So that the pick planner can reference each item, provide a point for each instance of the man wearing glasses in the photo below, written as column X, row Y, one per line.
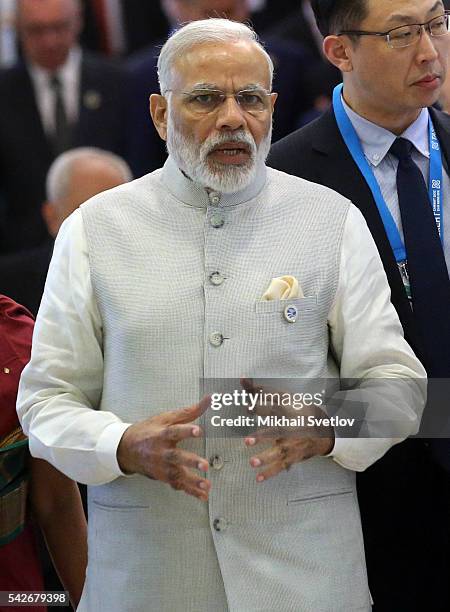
column 214, row 267
column 386, row 148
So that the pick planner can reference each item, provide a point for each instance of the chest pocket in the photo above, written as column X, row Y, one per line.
column 295, row 333
column 301, row 305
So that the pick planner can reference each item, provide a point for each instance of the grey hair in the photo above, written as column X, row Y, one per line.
column 59, row 174
column 212, row 30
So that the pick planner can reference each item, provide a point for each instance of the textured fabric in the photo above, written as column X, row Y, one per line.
column 13, row 485
column 134, row 340
column 256, row 545
column 283, row 288
column 19, row 561
column 20, row 566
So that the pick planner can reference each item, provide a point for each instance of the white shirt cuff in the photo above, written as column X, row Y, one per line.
column 358, row 454
column 107, row 444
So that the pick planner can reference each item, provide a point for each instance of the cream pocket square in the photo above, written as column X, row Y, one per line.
column 283, row 288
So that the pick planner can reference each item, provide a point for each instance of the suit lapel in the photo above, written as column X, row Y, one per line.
column 348, row 180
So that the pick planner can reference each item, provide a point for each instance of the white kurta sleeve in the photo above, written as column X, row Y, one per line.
column 368, row 341
column 60, row 389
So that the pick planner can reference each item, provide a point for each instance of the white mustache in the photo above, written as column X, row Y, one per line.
column 238, row 137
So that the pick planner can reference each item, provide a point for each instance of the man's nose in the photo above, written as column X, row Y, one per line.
column 230, row 115
column 426, row 46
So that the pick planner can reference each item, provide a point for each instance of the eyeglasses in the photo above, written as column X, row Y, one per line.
column 407, row 35
column 205, row 101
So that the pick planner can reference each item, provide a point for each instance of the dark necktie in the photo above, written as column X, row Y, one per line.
column 428, row 274
column 61, row 136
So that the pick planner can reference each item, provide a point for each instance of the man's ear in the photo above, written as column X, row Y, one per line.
column 50, row 217
column 338, row 50
column 273, row 99
column 158, row 112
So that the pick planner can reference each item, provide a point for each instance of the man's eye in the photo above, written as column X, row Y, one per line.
column 251, row 99
column 401, row 34
column 438, row 25
column 204, row 99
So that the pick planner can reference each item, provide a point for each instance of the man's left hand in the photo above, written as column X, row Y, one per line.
column 290, row 445
column 286, row 451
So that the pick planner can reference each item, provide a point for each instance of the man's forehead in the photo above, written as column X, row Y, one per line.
column 398, row 12
column 31, row 9
column 214, row 62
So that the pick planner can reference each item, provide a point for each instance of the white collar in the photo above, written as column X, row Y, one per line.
column 184, row 189
column 376, row 140
column 67, row 72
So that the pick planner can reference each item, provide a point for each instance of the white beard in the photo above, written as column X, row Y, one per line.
column 193, row 158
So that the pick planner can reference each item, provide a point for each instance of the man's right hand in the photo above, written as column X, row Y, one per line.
column 150, row 448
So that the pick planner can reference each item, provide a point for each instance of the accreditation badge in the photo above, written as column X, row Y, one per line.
column 403, row 269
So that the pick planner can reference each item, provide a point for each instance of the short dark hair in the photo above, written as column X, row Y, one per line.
column 333, row 16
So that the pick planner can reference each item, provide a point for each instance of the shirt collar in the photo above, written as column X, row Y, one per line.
column 66, row 72
column 376, row 140
column 184, row 189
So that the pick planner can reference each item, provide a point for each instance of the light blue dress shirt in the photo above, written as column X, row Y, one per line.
column 376, row 142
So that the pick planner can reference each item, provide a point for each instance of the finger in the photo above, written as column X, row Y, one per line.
column 188, row 414
column 248, row 385
column 261, row 435
column 201, row 491
column 182, row 479
column 181, row 457
column 177, row 432
column 267, row 457
column 270, row 471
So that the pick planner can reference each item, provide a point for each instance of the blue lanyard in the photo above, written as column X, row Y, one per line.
column 435, row 186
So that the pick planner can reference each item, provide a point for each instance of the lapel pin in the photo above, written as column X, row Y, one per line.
column 290, row 313
column 92, row 100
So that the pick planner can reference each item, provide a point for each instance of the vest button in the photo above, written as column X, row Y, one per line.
column 216, row 339
column 216, row 279
column 217, row 220
column 216, row 462
column 214, row 198
column 219, row 524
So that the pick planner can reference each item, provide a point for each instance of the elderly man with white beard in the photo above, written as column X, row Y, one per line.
column 178, row 278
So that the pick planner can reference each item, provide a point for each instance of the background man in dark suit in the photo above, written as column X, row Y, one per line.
column 74, row 177
column 145, row 150
column 300, row 27
column 391, row 78
column 58, row 98
column 144, row 22
column 141, row 22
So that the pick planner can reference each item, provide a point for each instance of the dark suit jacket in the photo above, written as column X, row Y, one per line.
column 144, row 23
column 295, row 28
column 23, row 274
column 26, row 154
column 404, row 496
column 146, row 151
